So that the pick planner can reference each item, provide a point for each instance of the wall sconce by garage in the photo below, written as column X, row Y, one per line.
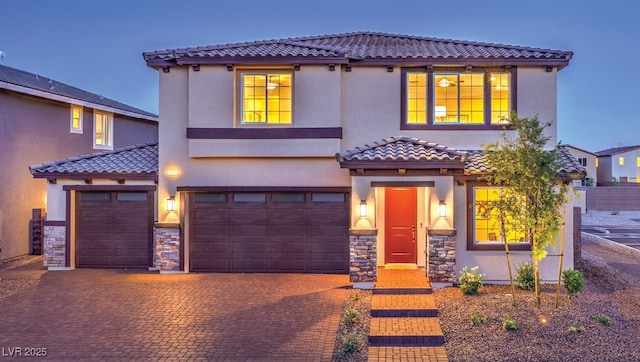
column 171, row 203
column 173, row 172
column 363, row 208
column 442, row 209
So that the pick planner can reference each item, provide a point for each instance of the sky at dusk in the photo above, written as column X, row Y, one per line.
column 97, row 45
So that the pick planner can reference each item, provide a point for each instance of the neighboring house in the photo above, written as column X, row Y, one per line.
column 619, row 165
column 340, row 154
column 587, row 160
column 41, row 120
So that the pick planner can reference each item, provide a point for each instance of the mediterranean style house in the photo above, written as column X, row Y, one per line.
column 329, row 154
column 40, row 120
column 586, row 159
column 342, row 153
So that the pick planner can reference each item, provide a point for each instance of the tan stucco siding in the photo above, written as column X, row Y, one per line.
column 210, row 96
column 317, row 97
column 537, row 95
column 265, row 148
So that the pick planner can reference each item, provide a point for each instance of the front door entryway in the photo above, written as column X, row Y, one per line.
column 400, row 225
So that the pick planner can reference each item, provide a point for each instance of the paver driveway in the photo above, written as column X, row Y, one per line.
column 111, row 314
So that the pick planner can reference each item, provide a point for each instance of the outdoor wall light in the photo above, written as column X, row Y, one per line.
column 442, row 208
column 171, row 203
column 363, row 208
column 173, row 172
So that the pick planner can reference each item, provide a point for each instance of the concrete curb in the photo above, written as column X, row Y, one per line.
column 20, row 261
column 620, row 248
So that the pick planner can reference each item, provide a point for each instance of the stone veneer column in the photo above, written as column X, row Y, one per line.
column 54, row 248
column 167, row 241
column 363, row 262
column 442, row 256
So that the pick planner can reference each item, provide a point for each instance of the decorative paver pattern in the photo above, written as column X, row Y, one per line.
column 409, row 354
column 131, row 315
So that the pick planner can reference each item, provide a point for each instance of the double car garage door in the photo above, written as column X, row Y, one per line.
column 297, row 232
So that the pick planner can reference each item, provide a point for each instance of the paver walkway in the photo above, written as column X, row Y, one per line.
column 404, row 323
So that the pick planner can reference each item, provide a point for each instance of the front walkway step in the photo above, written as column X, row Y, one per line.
column 409, row 305
column 433, row 354
column 395, row 331
column 402, row 290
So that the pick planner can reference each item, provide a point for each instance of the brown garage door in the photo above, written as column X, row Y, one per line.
column 113, row 229
column 297, row 232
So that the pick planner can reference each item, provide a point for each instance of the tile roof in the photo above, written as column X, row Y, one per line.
column 616, row 150
column 12, row 76
column 401, row 149
column 416, row 150
column 361, row 46
column 139, row 159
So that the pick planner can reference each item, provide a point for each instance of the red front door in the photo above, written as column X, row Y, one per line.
column 400, row 225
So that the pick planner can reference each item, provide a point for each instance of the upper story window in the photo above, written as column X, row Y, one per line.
column 103, row 130
column 582, row 161
column 266, row 97
column 456, row 97
column 621, row 161
column 75, row 125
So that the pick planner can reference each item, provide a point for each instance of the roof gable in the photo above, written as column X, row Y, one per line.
column 616, row 150
column 360, row 46
column 34, row 84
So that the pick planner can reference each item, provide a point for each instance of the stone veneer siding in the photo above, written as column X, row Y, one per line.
column 442, row 256
column 54, row 248
column 363, row 256
column 167, row 242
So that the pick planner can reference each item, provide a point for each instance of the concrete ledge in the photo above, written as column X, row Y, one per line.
column 172, row 272
column 59, row 268
column 363, row 285
column 437, row 286
column 620, row 248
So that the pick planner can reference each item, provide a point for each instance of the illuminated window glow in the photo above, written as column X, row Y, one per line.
column 463, row 97
column 76, row 119
column 621, row 161
column 103, row 130
column 486, row 220
column 266, row 98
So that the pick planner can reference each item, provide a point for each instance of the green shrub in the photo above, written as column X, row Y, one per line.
column 356, row 296
column 477, row 319
column 470, row 281
column 508, row 323
column 525, row 276
column 351, row 316
column 573, row 281
column 605, row 320
column 575, row 328
column 351, row 342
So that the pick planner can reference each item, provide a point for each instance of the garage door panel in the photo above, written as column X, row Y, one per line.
column 288, row 216
column 288, row 265
column 218, row 230
column 212, row 215
column 256, row 248
column 329, row 266
column 290, row 230
column 211, row 264
column 288, row 246
column 328, row 231
column 111, row 233
column 329, row 217
column 328, row 247
column 249, row 230
column 212, row 246
column 248, row 265
column 249, row 216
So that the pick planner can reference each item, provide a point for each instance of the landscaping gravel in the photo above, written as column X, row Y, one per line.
column 568, row 333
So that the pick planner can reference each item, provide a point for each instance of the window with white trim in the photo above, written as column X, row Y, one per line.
column 102, row 130
column 266, row 98
column 75, row 122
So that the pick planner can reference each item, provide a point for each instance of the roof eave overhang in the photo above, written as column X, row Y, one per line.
column 96, row 175
column 560, row 63
column 160, row 63
column 396, row 164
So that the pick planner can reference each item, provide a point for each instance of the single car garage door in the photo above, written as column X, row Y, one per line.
column 113, row 229
column 272, row 232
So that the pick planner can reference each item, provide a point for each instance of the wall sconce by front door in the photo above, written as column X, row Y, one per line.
column 363, row 208
column 171, row 203
column 442, row 209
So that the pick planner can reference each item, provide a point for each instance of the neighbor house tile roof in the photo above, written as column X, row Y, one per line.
column 422, row 153
column 45, row 86
column 361, row 46
column 616, row 150
column 137, row 160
